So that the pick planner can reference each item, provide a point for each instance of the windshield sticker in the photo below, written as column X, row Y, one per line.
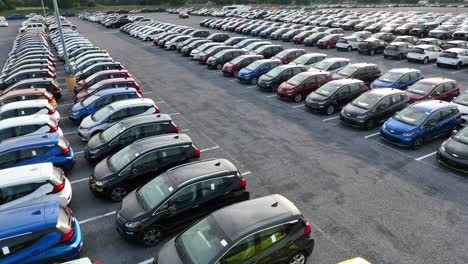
column 5, row 250
column 223, row 243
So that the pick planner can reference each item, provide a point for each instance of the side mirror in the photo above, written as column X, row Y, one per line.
column 429, row 125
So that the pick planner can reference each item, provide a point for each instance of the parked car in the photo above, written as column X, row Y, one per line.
column 453, row 151
column 397, row 78
column 253, row 71
column 373, row 107
column 50, row 231
column 116, row 175
column 330, row 64
column 100, row 66
column 329, row 41
column 218, row 37
column 454, row 57
column 268, row 51
column 397, row 50
column 422, row 30
column 461, row 102
column 408, row 39
column 444, row 89
column 233, row 67
column 272, row 224
column 455, row 44
column 105, row 85
column 205, row 55
column 301, row 85
column 179, row 197
column 28, row 108
column 219, row 59
column 348, row 43
column 420, row 123
column 335, row 95
column 28, row 125
column 372, row 46
column 27, row 94
column 271, row 80
column 100, row 76
column 314, row 38
column 126, row 131
column 288, row 55
column 48, row 83
column 308, row 59
column 443, row 31
column 366, row 72
column 424, row 53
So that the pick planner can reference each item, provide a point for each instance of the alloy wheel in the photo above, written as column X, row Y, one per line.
column 118, row 194
column 330, row 110
column 426, row 60
column 151, row 236
column 350, row 48
column 297, row 98
column 298, row 259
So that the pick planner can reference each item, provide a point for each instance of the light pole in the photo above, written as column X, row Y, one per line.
column 43, row 7
column 71, row 81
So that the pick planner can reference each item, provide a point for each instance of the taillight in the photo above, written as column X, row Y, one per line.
column 58, row 188
column 244, row 184
column 157, row 110
column 52, row 111
column 65, row 151
column 197, row 153
column 56, row 87
column 176, row 129
column 68, row 236
column 53, row 129
column 136, row 86
column 307, row 231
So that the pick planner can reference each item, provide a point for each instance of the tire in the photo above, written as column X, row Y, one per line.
column 371, row 52
column 297, row 98
column 172, row 48
column 118, row 193
column 235, row 74
column 151, row 236
column 254, row 80
column 274, row 88
column 298, row 258
column 219, row 66
column 330, row 110
column 147, row 39
column 417, row 143
column 400, row 57
column 439, row 65
column 328, row 46
column 426, row 60
column 459, row 65
column 349, row 48
column 370, row 124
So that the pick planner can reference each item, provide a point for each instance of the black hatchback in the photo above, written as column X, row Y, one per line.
column 366, row 72
column 453, row 152
column 177, row 198
column 123, row 133
column 115, row 176
column 373, row 107
column 271, row 80
column 219, row 59
column 264, row 230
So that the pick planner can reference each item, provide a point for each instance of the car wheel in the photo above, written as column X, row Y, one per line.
column 254, row 80
column 274, row 88
column 297, row 98
column 400, row 57
column 235, row 74
column 118, row 193
column 426, row 60
column 371, row 52
column 219, row 66
column 151, row 236
column 418, row 143
column 370, row 124
column 147, row 39
column 298, row 258
column 350, row 48
column 439, row 65
column 330, row 110
column 172, row 47
column 328, row 46
column 459, row 65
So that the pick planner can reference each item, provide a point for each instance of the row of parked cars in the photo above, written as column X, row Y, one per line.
column 413, row 109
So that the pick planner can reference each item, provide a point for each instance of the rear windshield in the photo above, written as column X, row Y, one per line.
column 417, row 50
column 448, row 54
column 366, row 101
column 237, row 60
column 297, row 79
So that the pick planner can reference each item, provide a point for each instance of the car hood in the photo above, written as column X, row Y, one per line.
column 316, row 97
column 381, row 84
column 102, row 170
column 87, row 122
column 352, row 110
column 456, row 147
column 395, row 125
column 95, row 142
column 168, row 253
column 413, row 96
column 76, row 107
column 131, row 207
column 287, row 87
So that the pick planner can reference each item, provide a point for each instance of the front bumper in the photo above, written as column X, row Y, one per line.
column 396, row 139
column 452, row 162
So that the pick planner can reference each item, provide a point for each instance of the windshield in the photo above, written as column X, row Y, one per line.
column 210, row 50
column 254, row 65
column 155, row 191
column 366, row 101
column 348, row 70
column 102, row 113
column 203, row 241
column 302, row 60
column 275, row 72
column 390, row 77
column 219, row 54
column 323, row 65
column 89, row 100
column 411, row 116
column 462, row 136
column 237, row 60
column 297, row 79
column 462, row 99
column 328, row 89
column 282, row 54
column 122, row 158
column 251, row 46
column 113, row 131
column 420, row 88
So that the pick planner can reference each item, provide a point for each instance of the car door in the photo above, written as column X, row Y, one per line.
column 432, row 126
column 171, row 155
column 449, row 119
column 403, row 82
column 437, row 93
column 308, row 86
column 142, row 169
column 450, row 91
column 464, row 57
column 361, row 74
column 214, row 194
column 382, row 110
column 183, row 207
column 342, row 96
column 16, row 195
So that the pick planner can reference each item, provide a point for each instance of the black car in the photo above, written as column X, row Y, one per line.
column 334, row 95
column 422, row 30
column 199, row 33
column 264, row 230
column 218, row 37
column 312, row 39
column 272, row 79
column 366, row 72
column 453, row 153
column 193, row 45
column 372, row 46
column 268, row 51
column 179, row 197
column 124, row 132
column 234, row 40
column 373, row 107
column 267, row 32
column 219, row 59
column 140, row 161
column 187, row 42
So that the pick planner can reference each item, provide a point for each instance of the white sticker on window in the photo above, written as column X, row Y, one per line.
column 273, row 238
column 23, row 97
column 34, row 153
column 164, row 154
column 137, row 154
column 22, row 112
column 212, row 186
column 5, row 250
column 223, row 243
column 170, row 188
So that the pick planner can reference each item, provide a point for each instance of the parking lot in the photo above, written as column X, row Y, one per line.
column 362, row 197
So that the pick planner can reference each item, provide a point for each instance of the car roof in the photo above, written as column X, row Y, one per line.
column 115, row 80
column 456, row 50
column 144, row 119
column 25, row 120
column 424, row 46
column 432, row 105
column 116, row 91
column 363, row 64
column 335, row 59
column 314, row 54
column 19, row 92
column 200, row 170
column 346, row 81
column 24, row 104
column 131, row 102
column 29, row 140
column 254, row 215
column 404, row 70
column 250, row 56
column 313, row 73
column 39, row 173
column 26, row 219
column 398, row 43
column 32, row 80
column 150, row 143
column 436, row 80
column 385, row 92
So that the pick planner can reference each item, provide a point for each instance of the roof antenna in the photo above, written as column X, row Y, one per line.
column 275, row 204
column 218, row 163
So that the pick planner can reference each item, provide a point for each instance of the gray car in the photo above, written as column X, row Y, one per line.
column 397, row 50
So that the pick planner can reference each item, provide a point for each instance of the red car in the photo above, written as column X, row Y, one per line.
column 438, row 88
column 183, row 15
column 329, row 41
column 100, row 76
column 288, row 55
column 204, row 56
column 301, row 85
column 107, row 84
column 299, row 38
column 233, row 67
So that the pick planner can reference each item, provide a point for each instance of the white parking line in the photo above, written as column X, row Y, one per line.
column 372, row 135
column 250, row 87
column 68, row 133
column 79, row 152
column 60, row 105
column 246, row 173
column 270, row 96
column 203, row 150
column 97, row 217
column 174, row 114
column 426, row 66
column 147, row 92
column 398, row 62
column 233, row 80
column 296, row 106
column 81, row 180
column 148, row 261
column 457, row 71
column 185, row 130
column 426, row 156
column 331, row 118
column 160, row 102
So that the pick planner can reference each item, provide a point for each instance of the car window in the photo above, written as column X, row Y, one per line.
column 438, row 91
column 152, row 129
column 137, row 110
column 19, row 243
column 118, row 115
column 169, row 154
column 385, row 103
column 405, row 78
column 24, row 130
column 131, row 135
column 8, row 159
column 30, row 153
column 446, row 113
column 145, row 163
column 184, row 197
column 334, row 66
column 344, row 91
column 102, row 102
column 9, row 114
column 414, row 76
column 243, row 251
column 435, row 118
column 448, row 86
column 13, row 193
column 355, row 88
column 211, row 187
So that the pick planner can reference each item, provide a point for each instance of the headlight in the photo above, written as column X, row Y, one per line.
column 99, row 183
column 74, row 113
column 133, row 225
column 409, row 134
column 384, row 125
column 84, row 128
column 361, row 116
column 321, row 103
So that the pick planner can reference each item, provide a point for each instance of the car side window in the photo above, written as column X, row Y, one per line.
column 30, row 153
column 438, row 91
column 17, row 244
column 8, row 159
column 355, row 88
column 9, row 114
column 334, row 66
column 344, row 91
column 211, row 187
column 131, row 135
column 118, row 115
column 151, row 129
column 19, row 191
column 434, row 119
column 145, row 163
column 243, row 251
column 384, row 103
column 167, row 155
column 137, row 110
column 405, row 78
column 448, row 87
column 23, row 130
column 185, row 197
column 446, row 113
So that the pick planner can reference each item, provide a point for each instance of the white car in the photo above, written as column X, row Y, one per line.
column 150, row 35
column 196, row 52
column 348, row 43
column 28, row 125
column 330, row 64
column 308, row 59
column 79, row 261
column 27, row 108
column 114, row 112
column 424, row 53
column 3, row 23
column 36, row 183
column 455, row 57
column 462, row 103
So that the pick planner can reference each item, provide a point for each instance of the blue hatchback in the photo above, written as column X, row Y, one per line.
column 256, row 31
column 26, row 150
column 398, row 79
column 253, row 71
column 38, row 234
column 421, row 122
column 102, row 98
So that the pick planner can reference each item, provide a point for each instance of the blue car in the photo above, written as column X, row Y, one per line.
column 421, row 122
column 256, row 31
column 39, row 234
column 397, row 78
column 253, row 71
column 26, row 150
column 102, row 98
column 16, row 17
